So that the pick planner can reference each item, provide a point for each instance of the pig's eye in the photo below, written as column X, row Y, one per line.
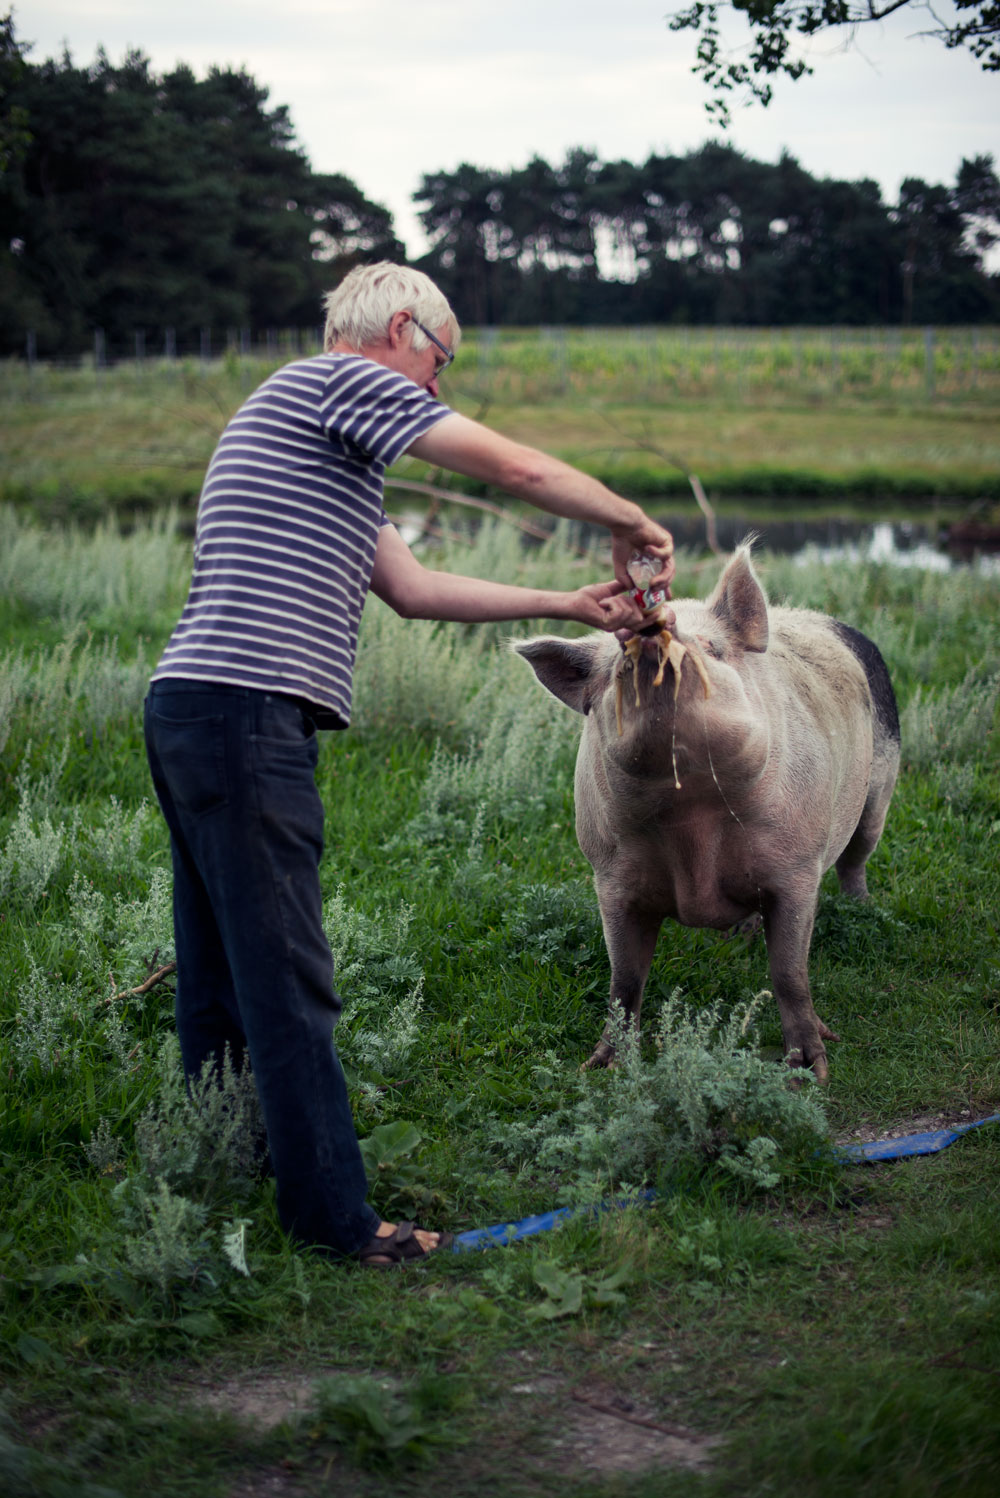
column 708, row 646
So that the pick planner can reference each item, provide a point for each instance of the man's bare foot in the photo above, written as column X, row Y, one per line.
column 403, row 1242
column 428, row 1241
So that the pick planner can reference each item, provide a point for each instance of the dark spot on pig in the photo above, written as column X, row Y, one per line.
column 883, row 697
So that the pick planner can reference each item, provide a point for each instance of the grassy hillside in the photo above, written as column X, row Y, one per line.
column 789, row 417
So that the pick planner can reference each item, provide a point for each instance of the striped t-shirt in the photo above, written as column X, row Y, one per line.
column 288, row 522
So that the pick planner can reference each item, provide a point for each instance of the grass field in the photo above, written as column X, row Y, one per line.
column 792, row 418
column 833, row 1330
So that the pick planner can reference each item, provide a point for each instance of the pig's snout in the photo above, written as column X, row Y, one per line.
column 665, row 619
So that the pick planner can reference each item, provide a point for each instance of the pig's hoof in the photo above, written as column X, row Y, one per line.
column 604, row 1055
column 811, row 1060
column 821, row 1070
column 826, row 1033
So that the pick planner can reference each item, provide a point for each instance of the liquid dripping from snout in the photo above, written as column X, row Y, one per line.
column 668, row 649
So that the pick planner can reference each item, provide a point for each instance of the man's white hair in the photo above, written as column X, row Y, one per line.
column 359, row 310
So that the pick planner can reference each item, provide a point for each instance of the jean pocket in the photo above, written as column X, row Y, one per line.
column 192, row 758
column 281, row 720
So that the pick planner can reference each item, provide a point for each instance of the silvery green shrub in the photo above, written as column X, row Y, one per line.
column 58, row 1024
column 198, row 1153
column 949, row 726
column 380, row 980
column 706, row 1098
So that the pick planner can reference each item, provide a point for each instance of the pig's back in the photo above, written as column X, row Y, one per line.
column 811, row 664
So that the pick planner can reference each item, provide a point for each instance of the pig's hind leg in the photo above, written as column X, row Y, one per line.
column 850, row 865
column 788, row 926
column 630, row 936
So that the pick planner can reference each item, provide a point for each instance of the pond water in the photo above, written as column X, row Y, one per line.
column 832, row 538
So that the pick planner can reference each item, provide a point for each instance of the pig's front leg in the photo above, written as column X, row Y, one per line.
column 788, row 925
column 630, row 935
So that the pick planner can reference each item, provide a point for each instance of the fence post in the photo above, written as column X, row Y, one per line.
column 835, row 359
column 31, row 349
column 140, row 349
column 99, row 350
column 206, row 345
column 929, row 361
column 170, row 344
column 487, row 343
column 557, row 337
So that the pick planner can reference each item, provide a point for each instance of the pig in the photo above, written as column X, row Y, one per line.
column 767, row 754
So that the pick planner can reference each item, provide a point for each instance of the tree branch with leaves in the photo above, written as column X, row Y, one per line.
column 776, row 24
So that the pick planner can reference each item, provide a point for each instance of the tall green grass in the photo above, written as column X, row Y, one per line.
column 837, row 1327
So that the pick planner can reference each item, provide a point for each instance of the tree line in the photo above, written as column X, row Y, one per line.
column 710, row 237
column 136, row 202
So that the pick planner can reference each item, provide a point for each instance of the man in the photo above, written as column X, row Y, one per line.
column 291, row 534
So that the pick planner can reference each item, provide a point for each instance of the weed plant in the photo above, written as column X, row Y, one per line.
column 836, row 1327
column 706, row 1095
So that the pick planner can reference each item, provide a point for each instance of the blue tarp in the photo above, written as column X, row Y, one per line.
column 910, row 1144
column 503, row 1233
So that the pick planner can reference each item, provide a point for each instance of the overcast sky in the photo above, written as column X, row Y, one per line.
column 384, row 90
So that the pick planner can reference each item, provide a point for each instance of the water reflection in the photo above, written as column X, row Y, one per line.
column 831, row 539
column 882, row 544
column 828, row 539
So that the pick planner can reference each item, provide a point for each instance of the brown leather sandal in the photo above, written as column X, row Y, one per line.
column 399, row 1247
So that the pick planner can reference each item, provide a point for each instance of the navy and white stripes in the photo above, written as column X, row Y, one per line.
column 287, row 528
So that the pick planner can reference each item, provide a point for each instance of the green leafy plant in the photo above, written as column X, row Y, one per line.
column 200, row 1152
column 382, row 1425
column 707, row 1097
column 568, row 1292
column 382, row 983
column 554, row 922
column 393, row 1175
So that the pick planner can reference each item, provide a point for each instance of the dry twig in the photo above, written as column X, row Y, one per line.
column 143, row 988
column 609, row 1409
column 644, row 445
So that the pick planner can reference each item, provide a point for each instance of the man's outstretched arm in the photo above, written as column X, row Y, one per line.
column 417, row 592
column 466, row 447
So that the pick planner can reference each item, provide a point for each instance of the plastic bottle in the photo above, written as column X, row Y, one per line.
column 642, row 568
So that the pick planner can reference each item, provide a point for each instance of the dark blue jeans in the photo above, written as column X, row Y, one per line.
column 233, row 770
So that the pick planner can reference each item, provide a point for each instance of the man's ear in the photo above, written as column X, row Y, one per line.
column 398, row 323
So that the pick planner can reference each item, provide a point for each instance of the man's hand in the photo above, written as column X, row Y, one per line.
column 605, row 606
column 649, row 539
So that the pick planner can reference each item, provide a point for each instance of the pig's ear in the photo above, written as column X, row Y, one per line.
column 739, row 603
column 564, row 667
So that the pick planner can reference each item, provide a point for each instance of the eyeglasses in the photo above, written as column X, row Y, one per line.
column 449, row 354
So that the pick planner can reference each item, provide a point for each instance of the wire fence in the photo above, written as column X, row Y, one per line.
column 512, row 365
